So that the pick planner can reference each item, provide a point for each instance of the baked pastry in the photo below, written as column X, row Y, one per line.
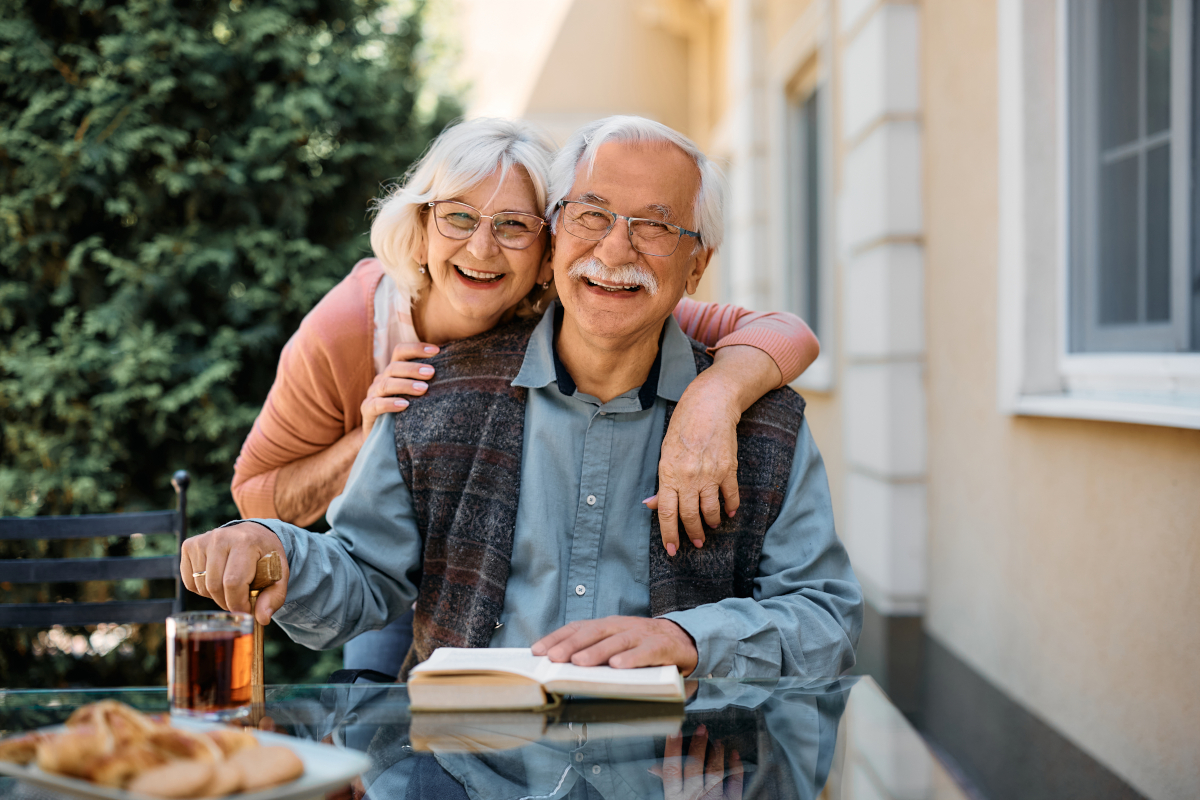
column 111, row 744
column 267, row 766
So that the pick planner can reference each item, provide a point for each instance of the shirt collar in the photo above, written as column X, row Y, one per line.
column 673, row 369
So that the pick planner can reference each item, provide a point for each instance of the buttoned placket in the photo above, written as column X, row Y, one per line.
column 583, row 592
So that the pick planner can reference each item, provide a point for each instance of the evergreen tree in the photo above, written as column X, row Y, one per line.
column 181, row 181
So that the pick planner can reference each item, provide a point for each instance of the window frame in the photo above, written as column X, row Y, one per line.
column 1037, row 374
column 1079, row 112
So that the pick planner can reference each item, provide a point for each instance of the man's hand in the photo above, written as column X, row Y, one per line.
column 697, row 777
column 228, row 557
column 621, row 642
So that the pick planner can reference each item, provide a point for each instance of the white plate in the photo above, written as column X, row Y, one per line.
column 325, row 768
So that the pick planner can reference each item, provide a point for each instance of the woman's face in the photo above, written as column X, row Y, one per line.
column 476, row 277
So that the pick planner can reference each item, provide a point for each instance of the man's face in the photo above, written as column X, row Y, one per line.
column 657, row 182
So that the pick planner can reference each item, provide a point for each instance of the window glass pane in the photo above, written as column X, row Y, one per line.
column 1158, row 65
column 1119, row 71
column 812, row 212
column 1118, row 252
column 1158, row 234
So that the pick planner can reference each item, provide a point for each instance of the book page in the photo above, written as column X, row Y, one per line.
column 515, row 660
column 640, row 676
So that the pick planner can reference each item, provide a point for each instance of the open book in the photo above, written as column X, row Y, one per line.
column 514, row 678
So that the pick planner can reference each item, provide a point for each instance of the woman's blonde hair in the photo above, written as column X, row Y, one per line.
column 461, row 157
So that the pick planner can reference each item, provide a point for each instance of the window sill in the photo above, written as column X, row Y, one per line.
column 1173, row 410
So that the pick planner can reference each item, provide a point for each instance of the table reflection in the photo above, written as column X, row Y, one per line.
column 838, row 740
column 731, row 739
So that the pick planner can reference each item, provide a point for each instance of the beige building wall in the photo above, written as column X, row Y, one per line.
column 1064, row 555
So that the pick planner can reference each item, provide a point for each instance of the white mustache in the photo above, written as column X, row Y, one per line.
column 624, row 275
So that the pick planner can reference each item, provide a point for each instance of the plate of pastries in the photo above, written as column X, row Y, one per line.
column 110, row 750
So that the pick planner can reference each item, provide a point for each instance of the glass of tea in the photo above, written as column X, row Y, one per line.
column 209, row 661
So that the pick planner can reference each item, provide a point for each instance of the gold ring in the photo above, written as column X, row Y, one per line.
column 197, row 574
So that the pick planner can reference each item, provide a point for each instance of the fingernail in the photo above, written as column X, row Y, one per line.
column 701, row 729
column 402, row 403
column 648, row 499
column 671, row 550
column 420, row 385
column 431, row 349
column 698, row 542
column 426, row 370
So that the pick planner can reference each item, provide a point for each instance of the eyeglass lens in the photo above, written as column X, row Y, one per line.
column 594, row 223
column 513, row 229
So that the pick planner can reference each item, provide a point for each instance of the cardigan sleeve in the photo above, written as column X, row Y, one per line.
column 784, row 337
column 323, row 376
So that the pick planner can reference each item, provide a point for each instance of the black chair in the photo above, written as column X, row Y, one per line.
column 58, row 570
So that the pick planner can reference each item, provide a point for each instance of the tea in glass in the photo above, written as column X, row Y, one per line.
column 209, row 663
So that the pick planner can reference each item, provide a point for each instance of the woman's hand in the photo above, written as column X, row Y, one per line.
column 698, row 462
column 401, row 377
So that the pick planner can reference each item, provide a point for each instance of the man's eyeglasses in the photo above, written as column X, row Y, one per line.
column 650, row 236
column 515, row 230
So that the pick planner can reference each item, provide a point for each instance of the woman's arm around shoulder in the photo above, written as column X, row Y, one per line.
column 785, row 337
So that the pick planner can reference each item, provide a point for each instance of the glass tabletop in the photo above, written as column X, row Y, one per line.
column 732, row 739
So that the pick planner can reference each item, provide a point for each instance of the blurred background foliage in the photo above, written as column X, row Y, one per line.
column 180, row 182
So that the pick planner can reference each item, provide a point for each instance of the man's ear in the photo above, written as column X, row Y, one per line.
column 697, row 264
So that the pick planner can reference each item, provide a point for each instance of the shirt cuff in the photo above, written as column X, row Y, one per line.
column 714, row 646
column 781, row 349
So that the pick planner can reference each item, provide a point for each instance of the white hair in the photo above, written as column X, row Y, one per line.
column 584, row 145
column 460, row 158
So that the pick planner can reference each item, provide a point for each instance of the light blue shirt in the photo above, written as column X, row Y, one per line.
column 582, row 537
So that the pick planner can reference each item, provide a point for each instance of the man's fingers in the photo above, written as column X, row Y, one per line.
column 408, row 351
column 543, row 645
column 672, row 767
column 600, row 653
column 584, row 636
column 240, row 567
column 269, row 601
column 188, row 566
column 714, row 768
column 214, row 577
column 710, row 505
column 668, row 519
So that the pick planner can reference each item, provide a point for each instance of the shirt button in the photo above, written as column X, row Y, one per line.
column 595, row 769
column 580, row 589
column 604, row 413
column 579, row 756
column 591, row 500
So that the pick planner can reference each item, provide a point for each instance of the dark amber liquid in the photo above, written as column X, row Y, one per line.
column 210, row 670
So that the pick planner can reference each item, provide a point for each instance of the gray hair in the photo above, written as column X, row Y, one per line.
column 585, row 143
column 460, row 158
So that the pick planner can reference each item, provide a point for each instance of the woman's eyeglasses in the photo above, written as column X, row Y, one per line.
column 515, row 230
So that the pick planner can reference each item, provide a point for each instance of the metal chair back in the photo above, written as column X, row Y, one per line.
column 59, row 570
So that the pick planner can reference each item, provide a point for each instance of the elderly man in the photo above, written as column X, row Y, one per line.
column 508, row 501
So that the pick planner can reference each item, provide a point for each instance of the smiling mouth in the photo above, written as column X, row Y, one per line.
column 608, row 288
column 479, row 277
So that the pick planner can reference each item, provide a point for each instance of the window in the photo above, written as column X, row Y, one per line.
column 1099, row 316
column 806, row 209
column 806, row 218
column 1133, row 286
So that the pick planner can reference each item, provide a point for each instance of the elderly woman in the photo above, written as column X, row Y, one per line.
column 461, row 245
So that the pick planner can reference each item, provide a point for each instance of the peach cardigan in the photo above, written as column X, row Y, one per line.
column 328, row 365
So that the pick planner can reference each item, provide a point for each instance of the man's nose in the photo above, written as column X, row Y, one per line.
column 616, row 247
column 482, row 244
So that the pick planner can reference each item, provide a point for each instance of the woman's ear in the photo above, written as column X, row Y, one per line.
column 546, row 270
column 420, row 252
